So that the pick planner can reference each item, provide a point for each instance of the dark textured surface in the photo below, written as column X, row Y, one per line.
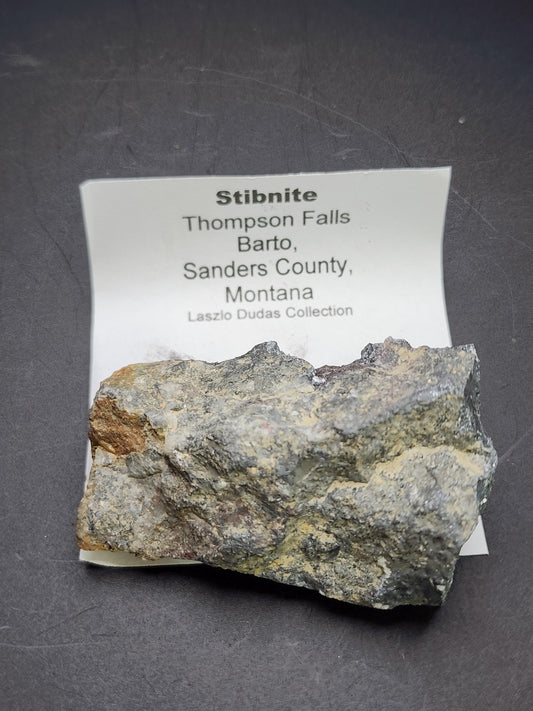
column 96, row 89
column 362, row 482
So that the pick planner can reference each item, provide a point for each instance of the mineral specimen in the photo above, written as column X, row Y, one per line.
column 361, row 481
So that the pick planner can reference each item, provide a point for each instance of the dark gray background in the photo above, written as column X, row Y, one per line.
column 116, row 89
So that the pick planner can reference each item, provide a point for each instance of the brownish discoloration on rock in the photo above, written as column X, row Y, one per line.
column 123, row 376
column 114, row 429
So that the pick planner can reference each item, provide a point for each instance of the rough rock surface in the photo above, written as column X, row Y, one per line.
column 361, row 481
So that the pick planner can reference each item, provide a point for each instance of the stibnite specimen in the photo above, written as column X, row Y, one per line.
column 361, row 481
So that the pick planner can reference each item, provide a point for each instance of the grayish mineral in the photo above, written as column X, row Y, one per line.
column 361, row 481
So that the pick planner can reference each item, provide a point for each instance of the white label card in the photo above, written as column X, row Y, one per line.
column 207, row 267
